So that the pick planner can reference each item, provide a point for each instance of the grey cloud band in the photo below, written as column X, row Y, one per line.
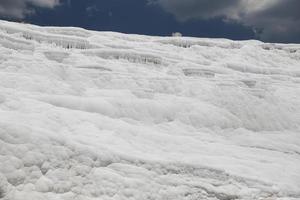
column 272, row 20
column 21, row 8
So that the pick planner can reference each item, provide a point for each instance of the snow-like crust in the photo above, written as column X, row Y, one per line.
column 99, row 115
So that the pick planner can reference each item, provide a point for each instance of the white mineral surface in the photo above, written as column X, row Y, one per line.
column 90, row 115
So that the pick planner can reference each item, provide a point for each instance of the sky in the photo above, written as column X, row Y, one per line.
column 265, row 20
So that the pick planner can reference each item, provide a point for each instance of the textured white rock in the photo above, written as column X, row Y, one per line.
column 102, row 115
column 3, row 186
column 44, row 185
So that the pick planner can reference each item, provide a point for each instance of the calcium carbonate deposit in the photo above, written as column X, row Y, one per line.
column 107, row 116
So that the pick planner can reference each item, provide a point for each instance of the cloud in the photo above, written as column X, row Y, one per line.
column 272, row 20
column 20, row 8
column 91, row 10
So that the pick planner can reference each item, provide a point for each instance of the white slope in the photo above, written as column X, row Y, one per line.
column 98, row 115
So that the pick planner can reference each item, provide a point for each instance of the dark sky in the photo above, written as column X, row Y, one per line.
column 233, row 19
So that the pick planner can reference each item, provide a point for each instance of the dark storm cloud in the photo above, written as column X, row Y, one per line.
column 189, row 9
column 272, row 20
column 278, row 22
column 20, row 8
